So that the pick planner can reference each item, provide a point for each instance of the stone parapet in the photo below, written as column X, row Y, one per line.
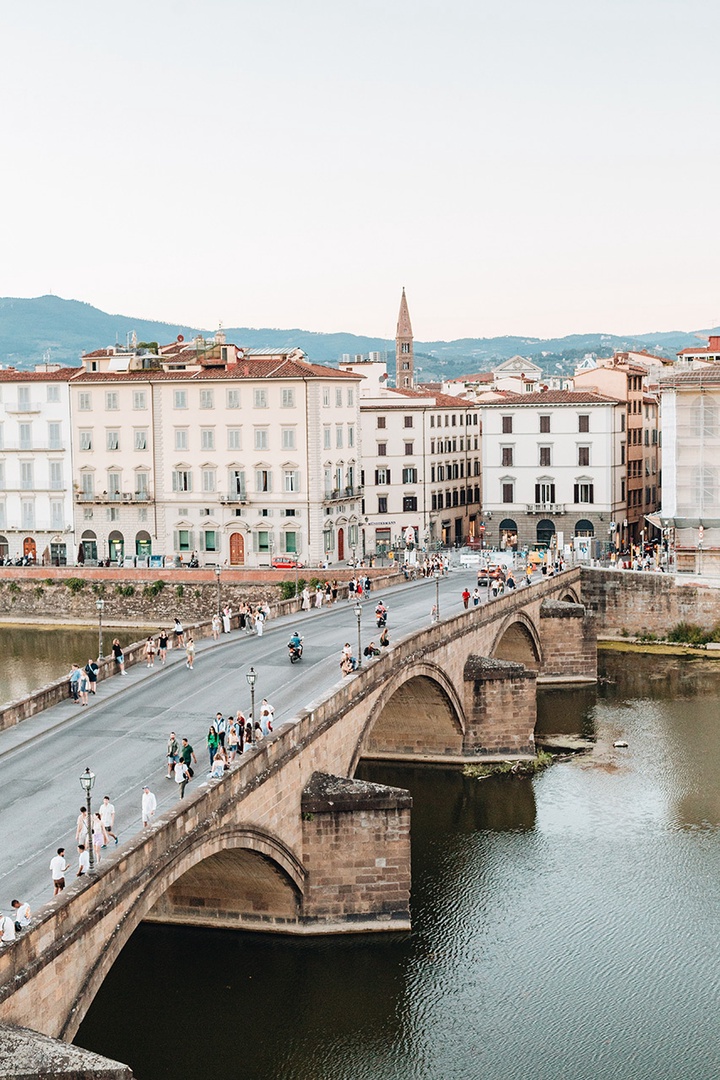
column 27, row 1055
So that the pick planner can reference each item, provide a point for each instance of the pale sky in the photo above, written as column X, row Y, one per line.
column 538, row 167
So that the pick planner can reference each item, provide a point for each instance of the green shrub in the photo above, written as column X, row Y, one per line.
column 39, row 591
column 287, row 590
column 75, row 584
column 154, row 588
column 13, row 587
column 124, row 590
column 98, row 588
column 689, row 634
column 179, row 591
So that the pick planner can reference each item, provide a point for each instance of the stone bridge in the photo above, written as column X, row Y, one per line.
column 288, row 841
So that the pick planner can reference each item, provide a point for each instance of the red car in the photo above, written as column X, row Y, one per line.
column 285, row 562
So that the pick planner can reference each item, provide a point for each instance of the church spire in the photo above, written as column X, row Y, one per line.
column 404, row 359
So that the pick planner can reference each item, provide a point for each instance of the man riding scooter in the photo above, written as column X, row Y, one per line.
column 295, row 647
column 381, row 615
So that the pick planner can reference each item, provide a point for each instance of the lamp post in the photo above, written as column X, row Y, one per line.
column 217, row 578
column 358, row 616
column 86, row 783
column 251, row 676
column 296, row 574
column 436, row 575
column 100, row 604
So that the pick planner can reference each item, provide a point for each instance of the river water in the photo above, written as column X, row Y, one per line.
column 563, row 927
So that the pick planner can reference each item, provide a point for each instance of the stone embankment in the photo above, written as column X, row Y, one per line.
column 628, row 602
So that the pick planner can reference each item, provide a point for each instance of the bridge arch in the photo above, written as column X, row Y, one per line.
column 277, row 882
column 418, row 712
column 570, row 596
column 517, row 639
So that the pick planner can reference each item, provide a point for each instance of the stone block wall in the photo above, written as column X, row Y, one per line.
column 356, row 849
column 637, row 601
column 500, row 707
column 569, row 642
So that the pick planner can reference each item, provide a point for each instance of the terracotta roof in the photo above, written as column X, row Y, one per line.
column 445, row 401
column 481, row 376
column 697, row 378
column 252, row 368
column 555, row 397
column 63, row 375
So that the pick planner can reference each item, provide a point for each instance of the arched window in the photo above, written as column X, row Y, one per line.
column 583, row 527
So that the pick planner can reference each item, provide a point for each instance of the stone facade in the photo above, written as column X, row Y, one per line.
column 570, row 645
column 503, row 707
column 637, row 601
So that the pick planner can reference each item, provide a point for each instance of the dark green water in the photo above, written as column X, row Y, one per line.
column 564, row 927
column 32, row 656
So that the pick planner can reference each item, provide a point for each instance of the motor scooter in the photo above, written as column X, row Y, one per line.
column 295, row 651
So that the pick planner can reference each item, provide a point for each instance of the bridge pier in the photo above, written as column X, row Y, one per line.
column 356, row 850
column 569, row 643
column 500, row 707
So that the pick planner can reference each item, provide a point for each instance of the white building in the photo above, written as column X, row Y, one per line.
column 552, row 464
column 36, row 513
column 234, row 454
column 421, row 465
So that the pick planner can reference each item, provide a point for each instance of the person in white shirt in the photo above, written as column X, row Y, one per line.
column 266, row 717
column 7, row 929
column 83, row 861
column 149, row 806
column 22, row 914
column 107, row 816
column 58, row 866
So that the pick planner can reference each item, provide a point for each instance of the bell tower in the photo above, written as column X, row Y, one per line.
column 404, row 359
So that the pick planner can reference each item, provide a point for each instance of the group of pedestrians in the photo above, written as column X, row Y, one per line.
column 83, row 681
column 12, row 925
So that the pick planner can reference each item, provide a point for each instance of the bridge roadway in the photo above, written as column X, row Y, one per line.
column 123, row 733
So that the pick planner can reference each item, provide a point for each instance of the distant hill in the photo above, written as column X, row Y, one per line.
column 32, row 328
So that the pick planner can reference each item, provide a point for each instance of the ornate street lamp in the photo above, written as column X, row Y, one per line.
column 358, row 616
column 251, row 676
column 217, row 578
column 86, row 783
column 436, row 575
column 100, row 604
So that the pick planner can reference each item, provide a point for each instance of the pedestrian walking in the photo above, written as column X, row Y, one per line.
column 149, row 652
column 187, row 754
column 476, row 596
column 433, row 614
column 58, row 869
column 233, row 739
column 91, row 670
column 226, row 617
column 305, row 605
column 466, row 597
column 7, row 930
column 266, row 717
column 385, row 638
column 81, row 826
column 319, row 597
column 149, row 806
column 119, row 656
column 178, row 634
column 74, row 677
column 334, row 591
column 259, row 622
column 216, row 625
column 107, row 815
column 189, row 653
column 182, row 776
column 99, row 835
column 221, row 727
column 212, row 743
column 173, row 751
column 162, row 646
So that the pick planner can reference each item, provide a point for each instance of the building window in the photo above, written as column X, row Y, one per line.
column 184, row 540
column 545, row 493
column 338, row 437
column 207, row 399
column 622, row 453
column 139, row 399
column 207, row 438
column 208, row 540
column 288, row 438
column 53, row 393
column 209, row 483
column 181, row 439
column 409, row 476
column 584, row 493
column 584, row 422
column 327, row 438
column 381, row 422
column 54, row 437
column 407, row 421
column 409, row 503
column 84, row 402
column 88, row 485
column 290, row 543
column 584, row 456
column 111, row 400
column 263, row 480
column 508, row 492
column 182, row 480
column 507, row 456
column 326, row 397
column 86, row 439
column 382, row 477
column 506, row 425
column 338, row 397
column 233, row 399
column 260, row 399
column 382, row 449
column 382, row 504
column 544, row 425
column 113, row 513
column 351, row 403
column 261, row 439
column 234, row 441
column 57, row 515
column 545, row 456
column 113, row 484
column 292, row 480
column 180, row 399
column 56, row 476
column 288, row 397
column 112, row 440
column 236, row 482
column 141, row 484
column 141, row 438
column 27, row 512
column 405, row 347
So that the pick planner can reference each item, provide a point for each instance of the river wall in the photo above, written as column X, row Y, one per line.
column 636, row 602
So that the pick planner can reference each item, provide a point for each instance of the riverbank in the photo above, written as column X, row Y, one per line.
column 657, row 648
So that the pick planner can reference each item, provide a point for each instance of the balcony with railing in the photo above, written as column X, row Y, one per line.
column 23, row 407
column 114, row 497
column 545, row 508
column 342, row 494
column 233, row 498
